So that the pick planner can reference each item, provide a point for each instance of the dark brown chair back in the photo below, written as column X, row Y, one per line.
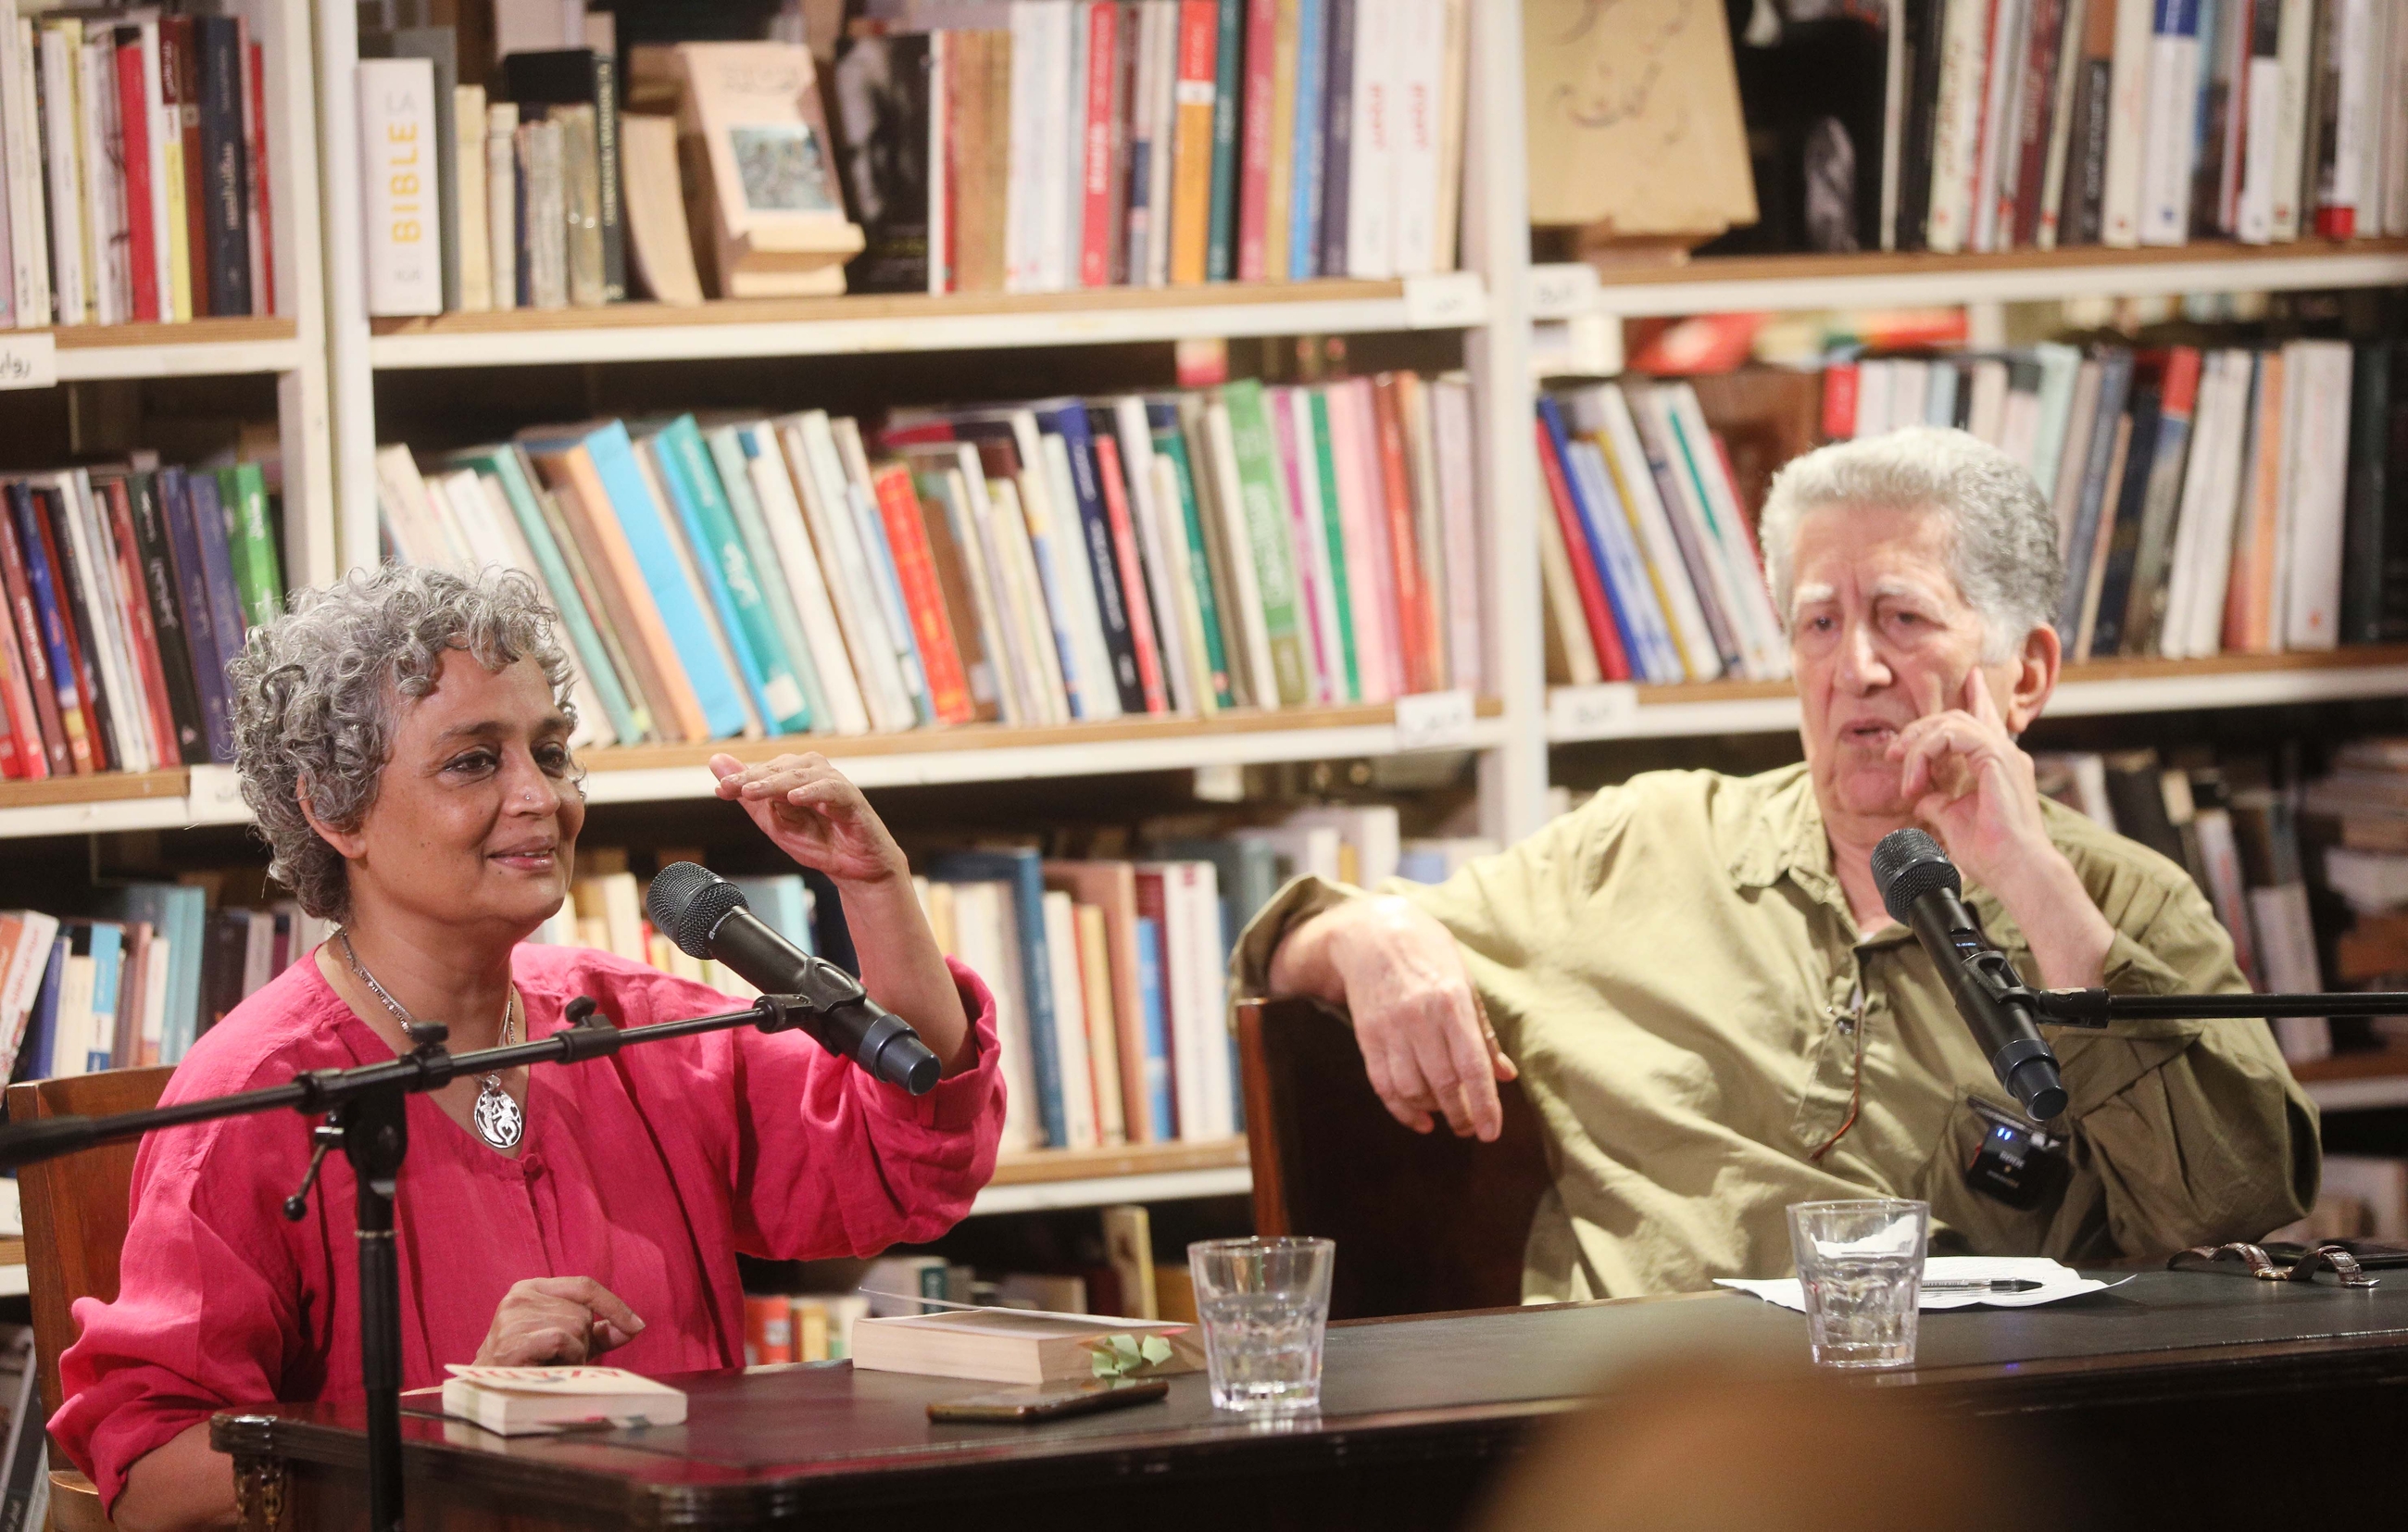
column 1424, row 1222
column 76, row 1206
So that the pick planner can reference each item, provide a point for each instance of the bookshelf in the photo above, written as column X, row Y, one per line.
column 1087, row 1178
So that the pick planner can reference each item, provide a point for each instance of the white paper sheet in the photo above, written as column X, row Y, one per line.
column 2058, row 1282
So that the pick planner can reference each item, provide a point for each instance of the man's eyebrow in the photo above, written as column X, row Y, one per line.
column 1911, row 588
column 1811, row 593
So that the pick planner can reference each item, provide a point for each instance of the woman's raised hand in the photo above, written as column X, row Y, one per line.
column 815, row 815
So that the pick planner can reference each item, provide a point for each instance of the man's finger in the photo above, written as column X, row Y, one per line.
column 1383, row 1081
column 1432, row 1051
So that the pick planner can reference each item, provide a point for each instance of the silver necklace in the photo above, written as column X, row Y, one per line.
column 497, row 1117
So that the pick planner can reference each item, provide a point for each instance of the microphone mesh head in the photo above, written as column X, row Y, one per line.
column 1907, row 864
column 687, row 901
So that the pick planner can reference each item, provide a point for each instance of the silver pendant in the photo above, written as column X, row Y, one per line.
column 500, row 1121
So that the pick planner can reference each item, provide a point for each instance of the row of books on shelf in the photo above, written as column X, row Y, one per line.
column 979, row 146
column 1050, row 145
column 2233, row 499
column 2035, row 123
column 2363, row 801
column 133, row 183
column 1065, row 560
column 25, row 1452
column 2241, row 842
column 1648, row 556
column 137, row 982
column 128, row 591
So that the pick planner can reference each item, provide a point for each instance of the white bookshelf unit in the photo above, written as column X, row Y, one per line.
column 328, row 356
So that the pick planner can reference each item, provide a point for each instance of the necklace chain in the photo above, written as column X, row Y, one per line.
column 498, row 1118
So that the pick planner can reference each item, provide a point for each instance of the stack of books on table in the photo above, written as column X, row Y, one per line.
column 129, row 590
column 133, row 182
column 2232, row 499
column 1069, row 560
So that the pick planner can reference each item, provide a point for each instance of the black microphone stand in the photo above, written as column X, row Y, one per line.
column 367, row 1117
column 2094, row 1009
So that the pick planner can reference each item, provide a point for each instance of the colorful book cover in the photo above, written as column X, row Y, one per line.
column 1267, row 521
column 75, row 723
column 1161, row 1103
column 1324, row 471
column 1162, row 419
column 641, row 520
column 1606, row 627
column 1068, row 420
column 727, row 567
column 1220, row 257
column 1024, row 870
column 1310, row 135
column 1144, row 639
column 154, row 564
column 924, row 599
column 732, row 457
column 41, row 682
column 203, row 634
column 1338, row 131
column 1191, row 187
column 251, row 542
column 502, row 463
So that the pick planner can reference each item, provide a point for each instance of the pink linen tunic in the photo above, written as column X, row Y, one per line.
column 646, row 1172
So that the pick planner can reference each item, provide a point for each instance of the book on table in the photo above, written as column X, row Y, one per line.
column 533, row 1401
column 1015, row 1345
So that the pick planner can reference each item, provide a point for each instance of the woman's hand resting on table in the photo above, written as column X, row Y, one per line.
column 565, row 1320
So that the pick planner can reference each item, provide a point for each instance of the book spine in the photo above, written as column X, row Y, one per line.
column 1191, row 205
column 1255, row 154
column 55, row 587
column 396, row 105
column 1314, row 426
column 259, row 211
column 212, row 520
column 134, row 598
column 156, row 580
column 1220, row 257
column 1957, row 125
column 1144, row 637
column 164, row 131
column 719, row 544
column 2261, row 88
column 1604, row 626
column 2362, row 537
column 2127, row 124
column 209, row 659
column 179, row 70
column 1277, row 144
column 1265, row 530
column 1171, row 443
column 40, row 724
column 2172, row 107
column 2034, row 119
column 251, row 542
column 1096, row 153
column 613, row 210
column 1412, row 591
column 224, row 165
column 1095, row 537
column 1338, row 137
column 1312, row 139
column 135, row 125
column 923, row 600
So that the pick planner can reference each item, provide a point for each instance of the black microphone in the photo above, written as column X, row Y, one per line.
column 1920, row 889
column 706, row 916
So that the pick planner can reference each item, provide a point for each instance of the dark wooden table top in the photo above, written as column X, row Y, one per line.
column 813, row 1432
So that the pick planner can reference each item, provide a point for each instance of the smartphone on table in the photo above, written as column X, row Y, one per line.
column 1053, row 1401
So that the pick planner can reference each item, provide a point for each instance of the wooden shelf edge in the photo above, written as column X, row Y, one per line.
column 2370, row 1064
column 1057, row 1164
column 198, row 332
column 1877, row 265
column 905, row 306
column 979, row 736
column 2357, row 657
column 104, row 787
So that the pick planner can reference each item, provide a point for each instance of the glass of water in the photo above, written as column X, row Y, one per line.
column 1861, row 1266
column 1264, row 1304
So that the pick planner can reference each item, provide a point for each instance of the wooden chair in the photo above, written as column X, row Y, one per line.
column 1424, row 1222
column 75, row 1212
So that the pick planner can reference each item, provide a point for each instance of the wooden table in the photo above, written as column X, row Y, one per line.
column 2178, row 1393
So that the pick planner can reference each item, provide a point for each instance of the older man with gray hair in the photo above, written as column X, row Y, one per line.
column 1695, row 982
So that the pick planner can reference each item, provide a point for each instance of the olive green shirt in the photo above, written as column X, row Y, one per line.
column 1695, row 1013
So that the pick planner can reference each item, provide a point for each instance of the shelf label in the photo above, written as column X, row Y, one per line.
column 1434, row 721
column 28, row 359
column 1444, row 299
column 1562, row 290
column 1591, row 712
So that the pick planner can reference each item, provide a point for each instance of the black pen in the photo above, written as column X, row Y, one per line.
column 1984, row 1284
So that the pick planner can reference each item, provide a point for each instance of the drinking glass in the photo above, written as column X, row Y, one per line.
column 1264, row 1304
column 1861, row 1266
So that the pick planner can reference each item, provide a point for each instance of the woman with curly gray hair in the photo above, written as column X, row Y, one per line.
column 402, row 737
